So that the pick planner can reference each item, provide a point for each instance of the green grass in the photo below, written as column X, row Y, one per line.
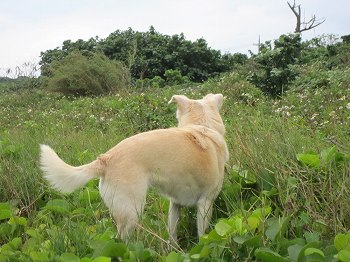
column 264, row 138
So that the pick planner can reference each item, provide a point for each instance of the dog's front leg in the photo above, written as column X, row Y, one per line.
column 173, row 218
column 204, row 211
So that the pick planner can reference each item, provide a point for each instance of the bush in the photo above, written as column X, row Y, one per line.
column 80, row 75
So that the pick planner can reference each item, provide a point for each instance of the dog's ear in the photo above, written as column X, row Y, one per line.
column 180, row 100
column 217, row 99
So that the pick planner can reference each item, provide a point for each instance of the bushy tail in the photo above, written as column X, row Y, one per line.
column 64, row 177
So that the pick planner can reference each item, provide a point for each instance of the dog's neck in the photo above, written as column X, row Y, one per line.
column 217, row 127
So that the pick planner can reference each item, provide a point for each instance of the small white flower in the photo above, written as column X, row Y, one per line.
column 332, row 113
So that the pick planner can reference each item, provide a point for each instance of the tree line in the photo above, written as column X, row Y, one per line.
column 150, row 54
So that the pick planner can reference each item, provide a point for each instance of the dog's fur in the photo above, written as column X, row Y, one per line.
column 185, row 163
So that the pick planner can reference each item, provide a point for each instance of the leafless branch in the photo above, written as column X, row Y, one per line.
column 303, row 26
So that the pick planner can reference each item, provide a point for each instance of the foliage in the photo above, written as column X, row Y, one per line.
column 150, row 54
column 275, row 64
column 79, row 75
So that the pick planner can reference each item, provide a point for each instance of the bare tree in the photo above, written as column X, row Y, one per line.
column 303, row 26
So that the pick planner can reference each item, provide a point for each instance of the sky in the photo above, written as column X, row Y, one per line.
column 28, row 27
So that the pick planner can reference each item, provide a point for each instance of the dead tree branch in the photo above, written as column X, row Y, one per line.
column 303, row 26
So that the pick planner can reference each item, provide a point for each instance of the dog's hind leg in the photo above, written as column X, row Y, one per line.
column 125, row 204
column 173, row 218
column 204, row 211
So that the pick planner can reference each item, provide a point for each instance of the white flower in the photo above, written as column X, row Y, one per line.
column 348, row 106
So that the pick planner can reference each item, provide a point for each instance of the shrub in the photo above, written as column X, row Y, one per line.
column 80, row 75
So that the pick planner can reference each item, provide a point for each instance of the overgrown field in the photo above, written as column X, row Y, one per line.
column 286, row 194
column 286, row 189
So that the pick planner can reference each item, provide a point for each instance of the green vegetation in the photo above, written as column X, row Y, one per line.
column 149, row 54
column 286, row 193
column 79, row 75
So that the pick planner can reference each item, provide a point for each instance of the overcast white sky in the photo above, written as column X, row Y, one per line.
column 28, row 27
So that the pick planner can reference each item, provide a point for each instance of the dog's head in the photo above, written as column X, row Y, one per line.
column 204, row 112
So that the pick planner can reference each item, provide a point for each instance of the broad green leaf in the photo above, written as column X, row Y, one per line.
column 262, row 212
column 110, row 249
column 195, row 252
column 253, row 222
column 223, row 228
column 247, row 240
column 310, row 160
column 174, row 257
column 302, row 256
column 68, row 257
column 5, row 211
column 5, row 229
column 277, row 228
column 294, row 251
column 33, row 233
column 39, row 256
column 312, row 236
column 268, row 255
column 13, row 245
column 22, row 221
column 311, row 250
column 342, row 242
column 58, row 205
column 89, row 195
column 328, row 155
column 344, row 255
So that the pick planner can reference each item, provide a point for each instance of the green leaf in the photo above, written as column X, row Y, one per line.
column 294, row 251
column 302, row 256
column 58, row 205
column 68, row 257
column 344, row 255
column 277, row 228
column 223, row 228
column 328, row 155
column 310, row 160
column 268, row 255
column 89, row 195
column 22, row 221
column 253, row 222
column 248, row 240
column 311, row 250
column 13, row 245
column 342, row 242
column 110, row 249
column 312, row 236
column 5, row 211
column 174, row 257
column 39, row 256
column 262, row 212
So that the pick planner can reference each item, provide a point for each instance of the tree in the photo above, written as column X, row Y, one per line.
column 303, row 26
column 274, row 65
column 150, row 54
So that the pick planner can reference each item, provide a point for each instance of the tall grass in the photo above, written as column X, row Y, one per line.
column 264, row 137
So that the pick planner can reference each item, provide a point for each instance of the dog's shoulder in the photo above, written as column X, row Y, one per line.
column 202, row 137
column 196, row 137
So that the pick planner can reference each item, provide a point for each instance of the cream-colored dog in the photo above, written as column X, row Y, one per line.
column 185, row 163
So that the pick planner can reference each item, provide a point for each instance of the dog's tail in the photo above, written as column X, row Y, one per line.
column 64, row 177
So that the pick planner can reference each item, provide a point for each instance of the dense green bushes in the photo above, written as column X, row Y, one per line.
column 80, row 75
column 150, row 54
